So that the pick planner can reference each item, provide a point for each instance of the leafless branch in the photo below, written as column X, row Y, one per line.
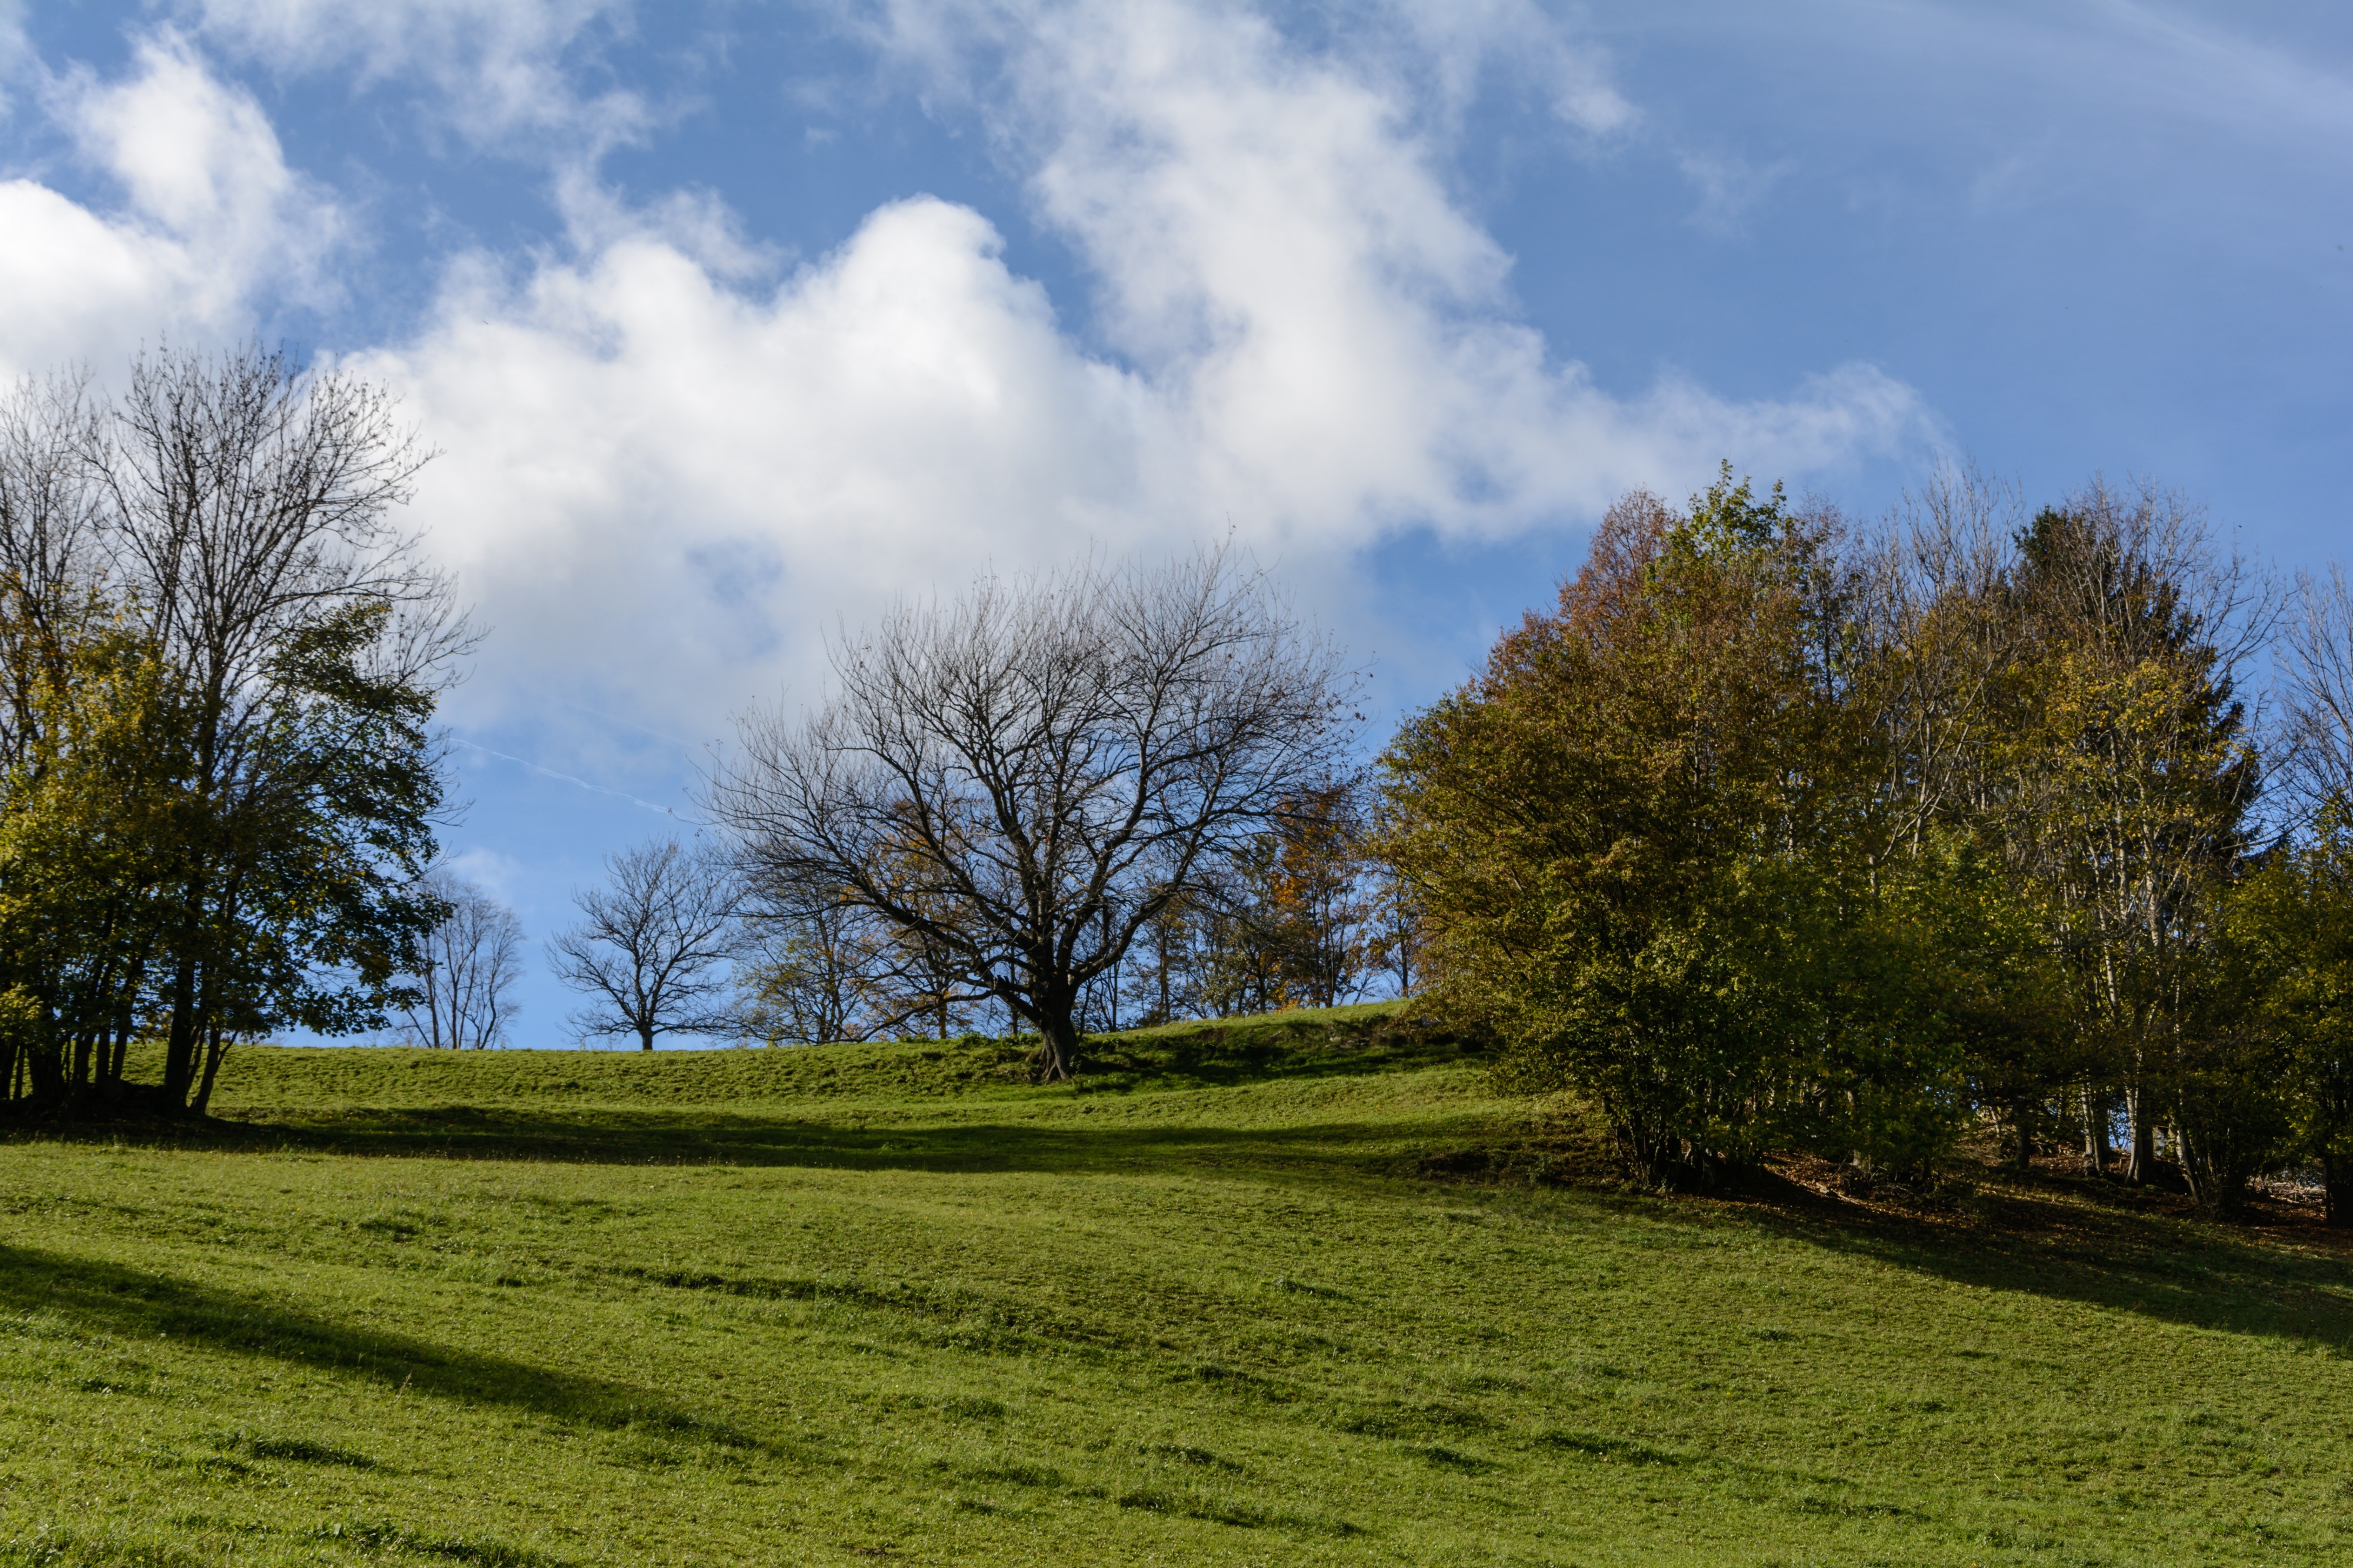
column 1026, row 778
column 469, row 965
column 652, row 952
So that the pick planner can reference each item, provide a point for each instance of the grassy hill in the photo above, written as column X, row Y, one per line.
column 1299, row 1290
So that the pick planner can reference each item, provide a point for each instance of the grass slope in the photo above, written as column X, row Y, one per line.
column 1219, row 1302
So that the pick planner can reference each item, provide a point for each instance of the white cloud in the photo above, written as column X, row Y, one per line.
column 200, row 161
column 493, row 871
column 663, row 487
column 1456, row 46
column 663, row 481
column 1276, row 249
column 502, row 68
column 210, row 215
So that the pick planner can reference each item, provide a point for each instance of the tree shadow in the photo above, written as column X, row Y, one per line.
column 139, row 1304
column 2190, row 1274
column 1223, row 1055
column 734, row 1138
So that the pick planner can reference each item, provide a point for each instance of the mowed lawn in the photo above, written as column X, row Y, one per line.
column 1295, row 1292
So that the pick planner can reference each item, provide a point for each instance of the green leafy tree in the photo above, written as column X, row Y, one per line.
column 88, row 824
column 1626, row 834
column 220, row 663
column 2291, row 922
column 2125, row 780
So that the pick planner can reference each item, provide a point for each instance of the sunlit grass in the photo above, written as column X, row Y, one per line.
column 894, row 1303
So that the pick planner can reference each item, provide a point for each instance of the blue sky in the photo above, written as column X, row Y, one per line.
column 733, row 320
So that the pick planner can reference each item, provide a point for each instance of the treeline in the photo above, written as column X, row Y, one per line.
column 1780, row 835
column 1299, row 913
column 693, row 940
column 1776, row 833
column 218, row 665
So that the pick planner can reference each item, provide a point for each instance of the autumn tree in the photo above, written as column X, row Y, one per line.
column 2130, row 775
column 2292, row 921
column 220, row 642
column 1615, row 830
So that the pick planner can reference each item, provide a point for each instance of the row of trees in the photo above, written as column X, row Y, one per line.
column 1102, row 799
column 1776, row 833
column 1299, row 913
column 219, row 662
column 679, row 941
column 1779, row 833
column 218, row 665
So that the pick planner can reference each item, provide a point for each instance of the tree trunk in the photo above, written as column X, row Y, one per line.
column 2140, row 1167
column 47, row 1074
column 180, row 1045
column 2095, row 1131
column 215, row 1049
column 645, row 1036
column 127, row 1019
column 2337, row 1190
column 1058, row 1044
column 2022, row 1153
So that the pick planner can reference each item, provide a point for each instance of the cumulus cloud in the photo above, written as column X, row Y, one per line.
column 666, row 477
column 1275, row 242
column 1301, row 337
column 657, row 475
column 209, row 215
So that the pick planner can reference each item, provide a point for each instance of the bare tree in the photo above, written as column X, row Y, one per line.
column 468, row 969
column 2318, row 660
column 810, row 978
column 1026, row 779
column 50, row 518
column 653, row 953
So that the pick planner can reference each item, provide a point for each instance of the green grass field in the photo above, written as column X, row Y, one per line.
column 1297, row 1292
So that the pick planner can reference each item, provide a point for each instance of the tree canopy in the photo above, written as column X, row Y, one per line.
column 1778, row 833
column 222, row 659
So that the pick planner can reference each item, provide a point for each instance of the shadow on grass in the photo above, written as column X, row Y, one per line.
column 1222, row 1055
column 708, row 1137
column 2192, row 1274
column 135, row 1303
